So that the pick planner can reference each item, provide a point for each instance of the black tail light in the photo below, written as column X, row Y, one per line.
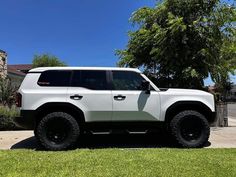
column 18, row 99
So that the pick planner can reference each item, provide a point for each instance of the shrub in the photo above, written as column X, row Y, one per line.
column 7, row 92
column 6, row 117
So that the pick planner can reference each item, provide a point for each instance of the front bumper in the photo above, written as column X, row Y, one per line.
column 212, row 118
column 26, row 120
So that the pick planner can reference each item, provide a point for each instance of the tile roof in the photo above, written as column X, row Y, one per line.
column 20, row 67
column 17, row 69
column 12, row 71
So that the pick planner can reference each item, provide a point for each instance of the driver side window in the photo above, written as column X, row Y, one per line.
column 126, row 80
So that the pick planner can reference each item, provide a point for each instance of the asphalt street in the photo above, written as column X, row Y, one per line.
column 232, row 110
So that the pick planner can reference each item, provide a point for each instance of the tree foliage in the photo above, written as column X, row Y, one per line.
column 181, row 41
column 46, row 60
column 220, row 74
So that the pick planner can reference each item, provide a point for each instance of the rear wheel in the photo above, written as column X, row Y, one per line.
column 57, row 131
column 190, row 129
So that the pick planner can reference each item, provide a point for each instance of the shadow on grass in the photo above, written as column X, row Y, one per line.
column 110, row 141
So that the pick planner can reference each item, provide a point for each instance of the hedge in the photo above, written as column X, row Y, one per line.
column 6, row 118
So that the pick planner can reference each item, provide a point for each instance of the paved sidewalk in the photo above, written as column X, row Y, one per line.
column 11, row 138
column 220, row 138
column 223, row 137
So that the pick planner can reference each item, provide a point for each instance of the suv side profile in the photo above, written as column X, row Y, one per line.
column 62, row 103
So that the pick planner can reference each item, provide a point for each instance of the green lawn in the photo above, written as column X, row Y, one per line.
column 119, row 162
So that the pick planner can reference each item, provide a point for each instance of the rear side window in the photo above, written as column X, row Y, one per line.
column 95, row 80
column 55, row 78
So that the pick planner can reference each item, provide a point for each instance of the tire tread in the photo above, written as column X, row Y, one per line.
column 72, row 139
column 175, row 128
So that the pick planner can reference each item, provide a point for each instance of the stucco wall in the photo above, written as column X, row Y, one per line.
column 3, row 64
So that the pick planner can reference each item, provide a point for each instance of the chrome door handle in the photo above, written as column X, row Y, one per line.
column 76, row 97
column 119, row 97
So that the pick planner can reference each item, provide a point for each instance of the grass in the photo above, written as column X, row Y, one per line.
column 120, row 162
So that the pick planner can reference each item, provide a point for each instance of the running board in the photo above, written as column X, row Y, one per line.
column 118, row 132
column 137, row 132
column 100, row 133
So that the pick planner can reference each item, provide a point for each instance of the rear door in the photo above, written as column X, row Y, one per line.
column 89, row 91
column 130, row 102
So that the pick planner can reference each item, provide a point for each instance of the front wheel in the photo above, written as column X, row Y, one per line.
column 57, row 131
column 190, row 129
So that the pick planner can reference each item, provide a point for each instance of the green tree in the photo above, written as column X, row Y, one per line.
column 45, row 60
column 179, row 42
column 220, row 73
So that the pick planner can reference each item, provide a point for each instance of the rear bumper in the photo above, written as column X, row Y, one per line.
column 26, row 120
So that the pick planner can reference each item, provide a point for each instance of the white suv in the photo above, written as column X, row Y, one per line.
column 61, row 103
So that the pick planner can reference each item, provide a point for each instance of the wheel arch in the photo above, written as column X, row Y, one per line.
column 189, row 105
column 69, row 108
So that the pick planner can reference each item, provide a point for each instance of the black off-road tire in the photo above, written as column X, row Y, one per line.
column 57, row 131
column 35, row 133
column 190, row 129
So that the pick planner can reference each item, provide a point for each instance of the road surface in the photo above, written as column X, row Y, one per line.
column 232, row 114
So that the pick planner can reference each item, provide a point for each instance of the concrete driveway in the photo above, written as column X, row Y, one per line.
column 220, row 138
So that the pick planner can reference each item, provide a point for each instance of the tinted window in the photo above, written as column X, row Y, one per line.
column 125, row 80
column 95, row 80
column 55, row 78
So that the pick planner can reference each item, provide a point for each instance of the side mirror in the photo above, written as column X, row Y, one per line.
column 146, row 87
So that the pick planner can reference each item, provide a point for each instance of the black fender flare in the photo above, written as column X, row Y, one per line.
column 191, row 105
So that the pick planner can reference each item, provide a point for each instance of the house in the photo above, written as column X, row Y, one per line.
column 15, row 72
column 3, row 64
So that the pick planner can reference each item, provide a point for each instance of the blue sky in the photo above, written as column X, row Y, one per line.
column 80, row 32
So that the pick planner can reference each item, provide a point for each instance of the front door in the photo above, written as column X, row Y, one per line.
column 130, row 102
